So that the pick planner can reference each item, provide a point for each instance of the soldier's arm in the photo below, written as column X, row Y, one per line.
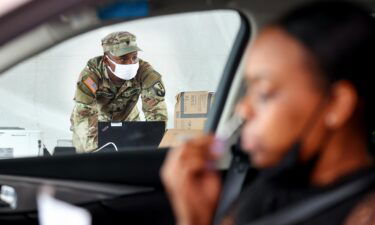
column 84, row 117
column 153, row 93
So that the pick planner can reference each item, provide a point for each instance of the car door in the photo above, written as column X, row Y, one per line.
column 114, row 186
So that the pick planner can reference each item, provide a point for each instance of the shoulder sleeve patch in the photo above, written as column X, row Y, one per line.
column 159, row 89
column 90, row 84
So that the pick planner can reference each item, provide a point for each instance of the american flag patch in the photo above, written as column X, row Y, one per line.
column 91, row 85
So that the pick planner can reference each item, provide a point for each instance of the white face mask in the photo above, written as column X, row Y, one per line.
column 125, row 72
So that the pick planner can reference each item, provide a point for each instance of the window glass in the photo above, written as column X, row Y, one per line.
column 188, row 50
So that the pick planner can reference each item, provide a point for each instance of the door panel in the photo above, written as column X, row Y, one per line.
column 75, row 192
column 140, row 167
column 126, row 186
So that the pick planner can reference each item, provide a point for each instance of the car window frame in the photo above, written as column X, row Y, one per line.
column 230, row 72
column 63, row 166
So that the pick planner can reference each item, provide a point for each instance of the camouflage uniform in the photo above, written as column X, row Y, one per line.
column 98, row 99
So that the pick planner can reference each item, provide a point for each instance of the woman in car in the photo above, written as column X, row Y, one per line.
column 308, row 120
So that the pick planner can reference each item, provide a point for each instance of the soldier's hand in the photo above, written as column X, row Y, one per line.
column 192, row 183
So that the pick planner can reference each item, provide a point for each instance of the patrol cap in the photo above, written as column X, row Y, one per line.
column 120, row 43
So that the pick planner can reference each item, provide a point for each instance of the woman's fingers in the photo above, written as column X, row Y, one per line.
column 192, row 183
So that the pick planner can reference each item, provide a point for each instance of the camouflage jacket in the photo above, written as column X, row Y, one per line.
column 98, row 99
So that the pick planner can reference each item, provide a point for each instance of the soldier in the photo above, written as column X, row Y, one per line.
column 109, row 87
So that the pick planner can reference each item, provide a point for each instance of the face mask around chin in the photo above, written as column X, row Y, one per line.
column 125, row 72
column 290, row 169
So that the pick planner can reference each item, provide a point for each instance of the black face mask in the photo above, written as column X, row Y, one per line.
column 291, row 171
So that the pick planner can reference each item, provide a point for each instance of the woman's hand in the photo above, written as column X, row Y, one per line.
column 192, row 183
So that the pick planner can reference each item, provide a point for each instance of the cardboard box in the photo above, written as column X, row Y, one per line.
column 174, row 137
column 191, row 109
